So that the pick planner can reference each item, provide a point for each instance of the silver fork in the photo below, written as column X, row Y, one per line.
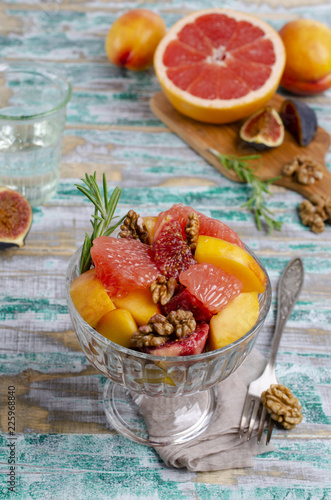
column 289, row 288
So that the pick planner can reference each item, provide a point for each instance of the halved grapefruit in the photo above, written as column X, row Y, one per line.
column 219, row 65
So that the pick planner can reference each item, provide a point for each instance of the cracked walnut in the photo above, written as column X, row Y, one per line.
column 133, row 227
column 304, row 170
column 283, row 407
column 315, row 213
column 160, row 328
column 192, row 231
column 163, row 289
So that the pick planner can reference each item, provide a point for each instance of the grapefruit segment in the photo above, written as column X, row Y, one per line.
column 206, row 85
column 219, row 42
column 123, row 265
column 207, row 225
column 253, row 74
column 261, row 51
column 183, row 76
column 177, row 53
column 211, row 285
column 245, row 33
column 217, row 27
column 230, row 85
column 218, row 83
column 192, row 36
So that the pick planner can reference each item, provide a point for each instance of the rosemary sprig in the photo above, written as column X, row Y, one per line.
column 104, row 210
column 257, row 202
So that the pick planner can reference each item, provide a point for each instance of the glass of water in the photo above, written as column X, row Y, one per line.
column 33, row 99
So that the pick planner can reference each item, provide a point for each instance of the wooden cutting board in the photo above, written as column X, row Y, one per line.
column 225, row 139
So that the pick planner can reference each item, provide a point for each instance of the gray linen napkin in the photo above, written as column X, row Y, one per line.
column 219, row 447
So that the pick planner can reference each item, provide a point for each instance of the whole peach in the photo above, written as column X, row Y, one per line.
column 133, row 38
column 308, row 57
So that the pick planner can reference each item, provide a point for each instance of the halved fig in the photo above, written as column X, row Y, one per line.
column 263, row 129
column 15, row 218
column 300, row 120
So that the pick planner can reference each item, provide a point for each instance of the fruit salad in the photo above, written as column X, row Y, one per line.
column 175, row 284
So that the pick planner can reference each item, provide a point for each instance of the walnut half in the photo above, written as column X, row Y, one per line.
column 282, row 405
column 133, row 227
column 304, row 170
column 159, row 329
column 155, row 333
column 183, row 321
column 315, row 212
column 192, row 231
column 163, row 289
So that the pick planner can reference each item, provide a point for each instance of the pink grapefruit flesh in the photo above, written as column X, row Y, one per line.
column 219, row 65
column 211, row 285
column 123, row 265
column 207, row 225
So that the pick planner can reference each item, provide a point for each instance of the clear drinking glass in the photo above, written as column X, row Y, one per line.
column 133, row 376
column 33, row 99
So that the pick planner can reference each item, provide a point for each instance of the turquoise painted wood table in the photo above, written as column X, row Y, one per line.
column 64, row 448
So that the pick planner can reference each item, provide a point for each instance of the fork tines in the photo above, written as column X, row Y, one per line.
column 251, row 409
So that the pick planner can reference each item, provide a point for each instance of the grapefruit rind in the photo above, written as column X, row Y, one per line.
column 220, row 110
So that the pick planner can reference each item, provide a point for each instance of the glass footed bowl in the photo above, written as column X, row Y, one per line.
column 177, row 393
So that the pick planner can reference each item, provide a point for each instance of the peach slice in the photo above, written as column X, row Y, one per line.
column 232, row 259
column 234, row 321
column 118, row 326
column 90, row 298
column 140, row 304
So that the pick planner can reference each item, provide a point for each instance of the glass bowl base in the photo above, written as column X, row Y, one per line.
column 170, row 420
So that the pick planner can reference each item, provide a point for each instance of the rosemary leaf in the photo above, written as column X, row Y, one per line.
column 104, row 182
column 256, row 202
column 104, row 210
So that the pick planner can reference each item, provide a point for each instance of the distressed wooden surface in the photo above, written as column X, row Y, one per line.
column 65, row 449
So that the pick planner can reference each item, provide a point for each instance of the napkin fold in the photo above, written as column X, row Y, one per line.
column 219, row 447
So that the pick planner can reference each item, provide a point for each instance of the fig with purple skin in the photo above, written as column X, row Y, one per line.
column 300, row 120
